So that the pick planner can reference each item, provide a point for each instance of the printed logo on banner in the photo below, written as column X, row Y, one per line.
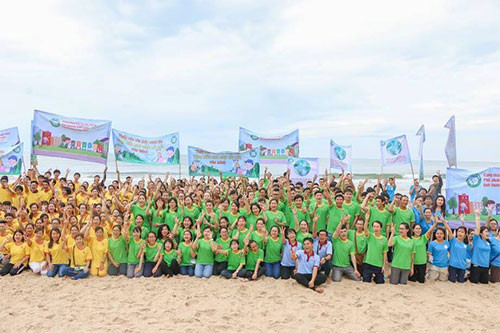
column 254, row 137
column 302, row 167
column 474, row 180
column 394, row 147
column 174, row 139
column 340, row 153
column 55, row 122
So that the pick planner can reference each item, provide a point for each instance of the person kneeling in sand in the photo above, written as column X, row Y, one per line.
column 307, row 267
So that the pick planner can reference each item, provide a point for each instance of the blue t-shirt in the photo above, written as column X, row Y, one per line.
column 495, row 252
column 286, row 259
column 425, row 226
column 306, row 263
column 414, row 194
column 481, row 250
column 418, row 218
column 439, row 252
column 459, row 252
column 322, row 250
column 391, row 190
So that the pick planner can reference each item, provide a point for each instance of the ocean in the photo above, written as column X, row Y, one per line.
column 362, row 168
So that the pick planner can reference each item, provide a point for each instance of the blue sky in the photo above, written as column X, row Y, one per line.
column 352, row 71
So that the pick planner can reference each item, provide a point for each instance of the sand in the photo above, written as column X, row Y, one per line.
column 182, row 304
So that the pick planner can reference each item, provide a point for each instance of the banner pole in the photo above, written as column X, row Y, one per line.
column 179, row 168
column 412, row 173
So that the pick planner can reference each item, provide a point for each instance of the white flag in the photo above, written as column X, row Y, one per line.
column 395, row 151
column 340, row 157
column 421, row 133
column 451, row 144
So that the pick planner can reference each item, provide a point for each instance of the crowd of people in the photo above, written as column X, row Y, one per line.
column 237, row 228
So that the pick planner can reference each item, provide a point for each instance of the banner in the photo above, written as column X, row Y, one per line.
column 9, row 137
column 395, row 151
column 421, row 133
column 468, row 191
column 273, row 150
column 451, row 145
column 303, row 169
column 74, row 138
column 132, row 148
column 340, row 157
column 11, row 160
column 202, row 162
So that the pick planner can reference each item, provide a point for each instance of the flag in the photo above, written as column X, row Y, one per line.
column 451, row 145
column 395, row 151
column 421, row 133
column 340, row 157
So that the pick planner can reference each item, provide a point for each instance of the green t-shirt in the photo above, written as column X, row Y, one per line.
column 157, row 219
column 322, row 212
column 403, row 248
column 252, row 258
column 234, row 259
column 257, row 237
column 118, row 249
column 223, row 245
column 301, row 236
column 193, row 213
column 402, row 215
column 252, row 220
column 136, row 210
column 273, row 250
column 133, row 249
column 169, row 256
column 150, row 252
column 271, row 219
column 382, row 216
column 301, row 216
column 334, row 216
column 241, row 236
column 170, row 219
column 342, row 251
column 376, row 248
column 420, row 249
column 186, row 256
column 353, row 209
column 360, row 240
column 204, row 254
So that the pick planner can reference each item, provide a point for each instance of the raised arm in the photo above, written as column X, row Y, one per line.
column 477, row 231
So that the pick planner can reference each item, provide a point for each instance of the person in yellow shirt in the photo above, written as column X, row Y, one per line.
column 5, row 190
column 55, row 254
column 99, row 247
column 32, row 193
column 35, row 212
column 81, row 257
column 47, row 191
column 19, row 197
column 4, row 234
column 38, row 262
column 76, row 182
column 19, row 253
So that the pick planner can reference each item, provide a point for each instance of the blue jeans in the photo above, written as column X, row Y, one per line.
column 456, row 274
column 201, row 270
column 187, row 270
column 58, row 268
column 272, row 269
column 68, row 271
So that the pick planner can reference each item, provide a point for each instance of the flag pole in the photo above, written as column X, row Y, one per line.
column 179, row 168
column 412, row 172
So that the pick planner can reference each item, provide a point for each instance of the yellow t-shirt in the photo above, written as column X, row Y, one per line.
column 79, row 257
column 16, row 198
column 99, row 250
column 37, row 251
column 2, row 238
column 93, row 201
column 32, row 198
column 17, row 252
column 5, row 194
column 45, row 196
column 57, row 254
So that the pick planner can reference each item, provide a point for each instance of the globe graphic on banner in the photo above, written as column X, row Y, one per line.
column 394, row 147
column 302, row 167
column 339, row 153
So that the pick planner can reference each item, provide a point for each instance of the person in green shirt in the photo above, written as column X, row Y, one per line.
column 420, row 256
column 186, row 254
column 117, row 254
column 254, row 258
column 272, row 256
column 189, row 209
column 151, row 254
column 376, row 255
column 223, row 244
column 352, row 208
column 156, row 215
column 297, row 207
column 320, row 208
column 273, row 216
column 335, row 212
column 358, row 238
column 377, row 213
column 259, row 234
column 235, row 260
column 403, row 256
column 138, row 207
column 343, row 254
column 205, row 251
column 187, row 225
column 401, row 213
column 241, row 232
column 172, row 213
column 253, row 212
column 168, row 261
column 208, row 217
column 135, row 257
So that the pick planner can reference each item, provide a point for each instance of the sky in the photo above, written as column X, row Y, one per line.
column 353, row 71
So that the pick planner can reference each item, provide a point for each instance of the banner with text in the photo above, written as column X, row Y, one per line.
column 11, row 160
column 395, row 151
column 138, row 149
column 303, row 169
column 202, row 162
column 468, row 191
column 9, row 137
column 340, row 157
column 74, row 138
column 273, row 150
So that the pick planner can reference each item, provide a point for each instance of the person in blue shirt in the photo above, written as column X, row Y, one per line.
column 287, row 263
column 308, row 273
column 324, row 248
column 418, row 209
column 459, row 253
column 481, row 250
column 438, row 256
column 414, row 189
column 495, row 259
column 390, row 188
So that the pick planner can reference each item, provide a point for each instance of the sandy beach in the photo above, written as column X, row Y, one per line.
column 183, row 304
